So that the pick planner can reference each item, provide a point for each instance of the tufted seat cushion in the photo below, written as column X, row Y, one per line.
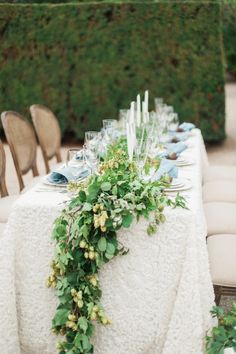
column 214, row 173
column 222, row 251
column 220, row 191
column 220, row 218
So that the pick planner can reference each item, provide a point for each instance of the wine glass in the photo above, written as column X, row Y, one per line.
column 109, row 126
column 159, row 104
column 91, row 137
column 75, row 161
column 92, row 158
column 123, row 116
column 173, row 122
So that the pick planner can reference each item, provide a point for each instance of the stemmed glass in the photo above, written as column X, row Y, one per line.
column 91, row 137
column 173, row 122
column 109, row 128
column 75, row 160
column 92, row 149
column 92, row 158
column 159, row 104
column 123, row 116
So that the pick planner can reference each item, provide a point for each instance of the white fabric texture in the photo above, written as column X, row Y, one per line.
column 159, row 295
column 6, row 204
column 33, row 183
column 2, row 228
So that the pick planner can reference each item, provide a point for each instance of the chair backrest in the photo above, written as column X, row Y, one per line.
column 3, row 188
column 22, row 142
column 48, row 132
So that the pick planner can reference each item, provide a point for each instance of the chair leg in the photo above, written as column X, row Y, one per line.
column 217, row 291
column 58, row 156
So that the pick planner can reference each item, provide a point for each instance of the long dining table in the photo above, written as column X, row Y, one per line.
column 158, row 296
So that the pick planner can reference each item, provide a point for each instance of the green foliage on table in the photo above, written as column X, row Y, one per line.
column 224, row 335
column 86, row 61
column 86, row 239
column 229, row 28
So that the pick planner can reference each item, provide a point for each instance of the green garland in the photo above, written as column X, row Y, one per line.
column 86, row 239
column 223, row 335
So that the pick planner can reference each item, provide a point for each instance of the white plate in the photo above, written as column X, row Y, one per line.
column 187, row 185
column 184, row 162
column 48, row 183
column 176, row 182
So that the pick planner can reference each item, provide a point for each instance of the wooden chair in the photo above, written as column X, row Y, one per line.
column 22, row 142
column 6, row 201
column 3, row 187
column 48, row 133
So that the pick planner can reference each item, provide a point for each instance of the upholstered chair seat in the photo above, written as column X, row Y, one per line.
column 222, row 251
column 216, row 173
column 220, row 191
column 220, row 218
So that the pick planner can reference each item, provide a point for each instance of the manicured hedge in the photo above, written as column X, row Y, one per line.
column 86, row 61
column 229, row 25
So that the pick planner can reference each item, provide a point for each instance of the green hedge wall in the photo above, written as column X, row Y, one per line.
column 229, row 26
column 86, row 61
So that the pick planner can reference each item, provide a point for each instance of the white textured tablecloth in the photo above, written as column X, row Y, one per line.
column 158, row 296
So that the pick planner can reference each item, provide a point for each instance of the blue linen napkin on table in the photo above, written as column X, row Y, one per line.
column 166, row 167
column 180, row 136
column 79, row 155
column 66, row 174
column 174, row 148
column 187, row 126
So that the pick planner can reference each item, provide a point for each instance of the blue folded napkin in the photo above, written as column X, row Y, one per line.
column 180, row 136
column 79, row 155
column 67, row 174
column 175, row 148
column 166, row 167
column 187, row 126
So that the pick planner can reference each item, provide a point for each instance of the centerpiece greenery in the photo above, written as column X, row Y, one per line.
column 224, row 334
column 86, row 239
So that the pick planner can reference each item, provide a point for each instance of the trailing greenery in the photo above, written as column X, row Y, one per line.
column 86, row 239
column 85, row 61
column 224, row 334
column 229, row 28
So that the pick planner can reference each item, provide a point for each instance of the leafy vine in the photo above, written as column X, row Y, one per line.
column 86, row 238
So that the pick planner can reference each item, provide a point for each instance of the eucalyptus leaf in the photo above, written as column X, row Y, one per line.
column 85, row 342
column 87, row 207
column 109, row 255
column 83, row 323
column 106, row 186
column 60, row 317
column 127, row 220
column 110, row 248
column 102, row 244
